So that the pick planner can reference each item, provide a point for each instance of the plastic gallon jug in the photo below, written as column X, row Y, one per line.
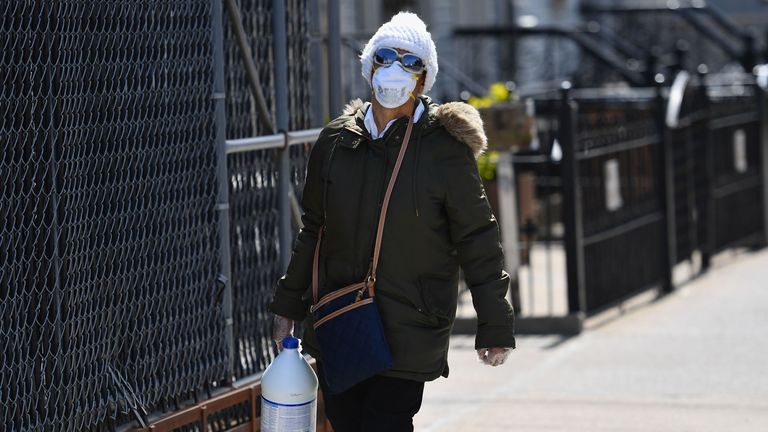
column 289, row 392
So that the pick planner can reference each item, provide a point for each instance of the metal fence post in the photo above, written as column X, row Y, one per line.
column 708, row 247
column 334, row 57
column 748, row 56
column 507, row 196
column 280, row 55
column 316, row 72
column 763, row 110
column 666, row 193
column 574, row 245
column 222, row 177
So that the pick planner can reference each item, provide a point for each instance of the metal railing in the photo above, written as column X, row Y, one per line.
column 276, row 141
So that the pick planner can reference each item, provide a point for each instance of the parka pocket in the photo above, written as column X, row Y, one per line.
column 439, row 296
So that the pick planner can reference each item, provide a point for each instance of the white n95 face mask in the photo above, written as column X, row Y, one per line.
column 392, row 85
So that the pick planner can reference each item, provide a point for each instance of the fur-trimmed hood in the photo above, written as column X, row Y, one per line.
column 461, row 120
column 353, row 106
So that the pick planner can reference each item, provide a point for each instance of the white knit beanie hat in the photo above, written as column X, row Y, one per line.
column 408, row 32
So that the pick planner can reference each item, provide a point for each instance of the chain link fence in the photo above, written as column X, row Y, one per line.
column 253, row 175
column 110, row 307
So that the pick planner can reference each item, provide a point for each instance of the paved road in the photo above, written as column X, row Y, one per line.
column 696, row 360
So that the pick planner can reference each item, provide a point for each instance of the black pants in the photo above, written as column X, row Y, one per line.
column 377, row 404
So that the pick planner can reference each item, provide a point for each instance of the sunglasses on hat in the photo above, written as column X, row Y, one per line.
column 386, row 56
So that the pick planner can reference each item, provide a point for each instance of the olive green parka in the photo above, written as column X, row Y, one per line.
column 439, row 221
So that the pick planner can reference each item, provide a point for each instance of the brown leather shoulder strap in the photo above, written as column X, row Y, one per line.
column 371, row 277
column 385, row 203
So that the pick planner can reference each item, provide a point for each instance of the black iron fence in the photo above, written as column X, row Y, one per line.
column 647, row 179
column 716, row 139
column 614, row 211
column 736, row 186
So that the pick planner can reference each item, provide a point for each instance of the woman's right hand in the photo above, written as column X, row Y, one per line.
column 282, row 327
column 493, row 356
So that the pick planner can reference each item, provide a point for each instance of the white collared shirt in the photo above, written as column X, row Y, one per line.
column 370, row 123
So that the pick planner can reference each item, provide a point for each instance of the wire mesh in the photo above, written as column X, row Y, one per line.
column 109, row 304
column 253, row 175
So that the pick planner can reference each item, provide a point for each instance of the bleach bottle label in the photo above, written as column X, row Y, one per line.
column 288, row 418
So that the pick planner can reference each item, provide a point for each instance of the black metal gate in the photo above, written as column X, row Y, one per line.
column 686, row 120
column 714, row 133
column 613, row 196
column 652, row 177
column 736, row 186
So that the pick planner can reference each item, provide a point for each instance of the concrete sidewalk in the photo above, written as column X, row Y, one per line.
column 695, row 360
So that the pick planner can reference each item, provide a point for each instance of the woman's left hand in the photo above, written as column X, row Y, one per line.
column 493, row 356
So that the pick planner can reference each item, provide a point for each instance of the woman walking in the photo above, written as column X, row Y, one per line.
column 393, row 198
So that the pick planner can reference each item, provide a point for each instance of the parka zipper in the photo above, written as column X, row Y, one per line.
column 392, row 132
column 415, row 173
column 360, row 203
column 385, row 139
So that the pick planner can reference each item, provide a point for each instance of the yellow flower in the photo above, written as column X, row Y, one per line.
column 499, row 92
column 486, row 165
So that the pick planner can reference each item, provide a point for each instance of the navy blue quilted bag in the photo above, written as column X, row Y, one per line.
column 351, row 337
